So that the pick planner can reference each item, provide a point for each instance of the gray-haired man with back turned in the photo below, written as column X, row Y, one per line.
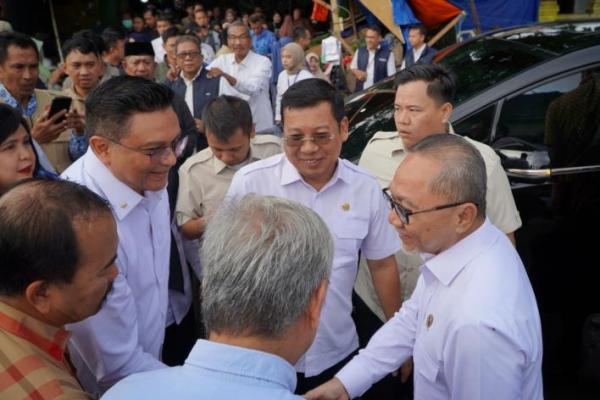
column 266, row 264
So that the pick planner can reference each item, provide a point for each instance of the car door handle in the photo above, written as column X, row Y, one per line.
column 537, row 174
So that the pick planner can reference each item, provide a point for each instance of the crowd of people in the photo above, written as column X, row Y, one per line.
column 176, row 222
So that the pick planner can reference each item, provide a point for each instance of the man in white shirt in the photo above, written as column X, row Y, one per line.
column 134, row 137
column 419, row 53
column 193, row 83
column 163, row 22
column 472, row 324
column 246, row 75
column 372, row 62
column 349, row 201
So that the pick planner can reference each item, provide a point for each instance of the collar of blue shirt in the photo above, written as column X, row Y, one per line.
column 290, row 174
column 243, row 362
column 447, row 265
column 121, row 197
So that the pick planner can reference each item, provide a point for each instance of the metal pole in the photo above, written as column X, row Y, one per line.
column 475, row 17
column 55, row 28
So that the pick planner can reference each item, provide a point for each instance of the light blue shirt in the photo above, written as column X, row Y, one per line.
column 214, row 371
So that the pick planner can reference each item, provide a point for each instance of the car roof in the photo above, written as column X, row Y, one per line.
column 551, row 69
column 523, row 47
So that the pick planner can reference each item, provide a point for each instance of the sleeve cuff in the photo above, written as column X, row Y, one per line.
column 354, row 378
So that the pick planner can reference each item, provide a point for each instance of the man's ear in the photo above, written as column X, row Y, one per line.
column 447, row 109
column 315, row 304
column 102, row 148
column 344, row 124
column 253, row 131
column 466, row 216
column 37, row 294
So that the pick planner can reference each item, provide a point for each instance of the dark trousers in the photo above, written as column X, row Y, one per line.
column 179, row 340
column 305, row 384
column 367, row 323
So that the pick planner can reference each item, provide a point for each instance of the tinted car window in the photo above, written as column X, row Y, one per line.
column 522, row 128
column 377, row 114
column 477, row 126
column 480, row 64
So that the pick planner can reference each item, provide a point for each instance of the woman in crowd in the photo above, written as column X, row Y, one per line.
column 314, row 66
column 17, row 156
column 292, row 59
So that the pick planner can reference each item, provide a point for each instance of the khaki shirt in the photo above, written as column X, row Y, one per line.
column 204, row 179
column 382, row 156
column 58, row 150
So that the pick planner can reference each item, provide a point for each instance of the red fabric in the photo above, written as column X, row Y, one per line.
column 433, row 13
column 319, row 13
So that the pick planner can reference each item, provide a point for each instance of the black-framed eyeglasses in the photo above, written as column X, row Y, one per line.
column 404, row 213
column 320, row 139
column 240, row 37
column 177, row 146
column 188, row 54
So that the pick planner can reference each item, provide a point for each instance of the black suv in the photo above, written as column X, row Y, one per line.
column 533, row 94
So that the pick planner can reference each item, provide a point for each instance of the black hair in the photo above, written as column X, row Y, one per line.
column 111, row 37
column 110, row 106
column 37, row 237
column 94, row 37
column 16, row 39
column 298, row 33
column 256, row 18
column 311, row 92
column 441, row 83
column 165, row 16
column 151, row 9
column 374, row 28
column 224, row 114
column 80, row 44
column 10, row 120
column 169, row 33
column 421, row 28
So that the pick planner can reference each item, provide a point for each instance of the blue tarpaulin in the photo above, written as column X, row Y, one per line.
column 499, row 13
column 492, row 13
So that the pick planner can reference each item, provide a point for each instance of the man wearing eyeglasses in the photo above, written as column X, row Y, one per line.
column 350, row 202
column 133, row 143
column 472, row 324
column 245, row 74
column 181, row 332
column 423, row 105
column 193, row 83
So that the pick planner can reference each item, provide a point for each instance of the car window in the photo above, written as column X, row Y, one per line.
column 375, row 115
column 480, row 64
column 477, row 126
column 552, row 124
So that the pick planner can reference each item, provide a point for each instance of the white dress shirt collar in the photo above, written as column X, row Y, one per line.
column 187, row 81
column 290, row 174
column 121, row 197
column 245, row 61
column 446, row 266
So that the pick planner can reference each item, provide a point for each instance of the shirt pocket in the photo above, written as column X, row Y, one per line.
column 424, row 365
column 349, row 234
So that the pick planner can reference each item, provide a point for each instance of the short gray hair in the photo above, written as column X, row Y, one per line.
column 462, row 177
column 237, row 24
column 189, row 38
column 262, row 257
